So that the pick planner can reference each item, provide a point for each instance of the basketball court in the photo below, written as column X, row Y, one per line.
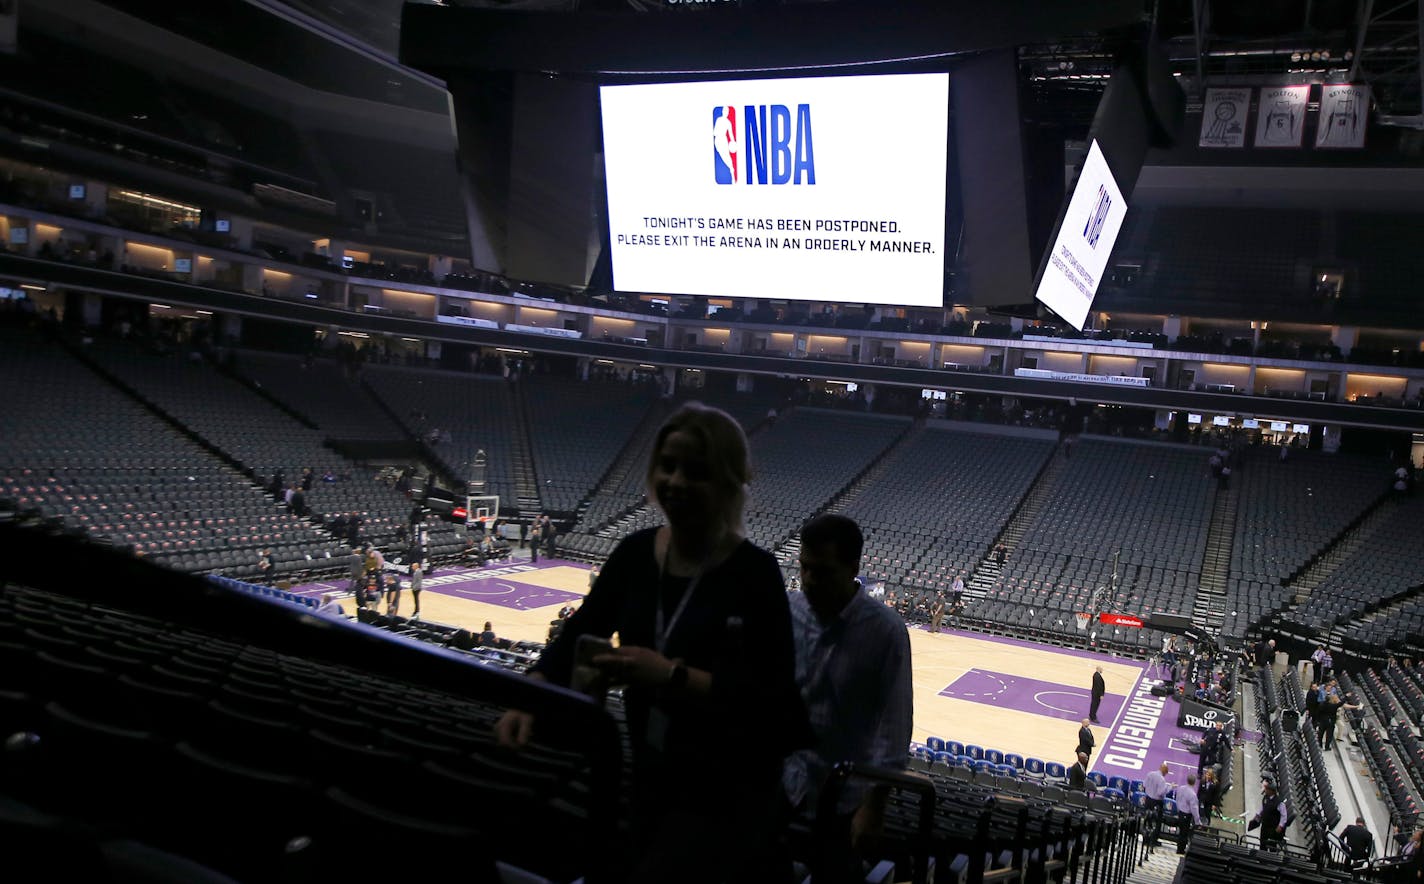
column 993, row 692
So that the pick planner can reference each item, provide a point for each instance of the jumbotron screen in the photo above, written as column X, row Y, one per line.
column 1089, row 229
column 819, row 188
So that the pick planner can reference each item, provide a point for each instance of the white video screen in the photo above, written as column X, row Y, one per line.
column 1085, row 240
column 813, row 188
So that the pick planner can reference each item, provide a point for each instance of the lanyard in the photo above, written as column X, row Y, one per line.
column 663, row 627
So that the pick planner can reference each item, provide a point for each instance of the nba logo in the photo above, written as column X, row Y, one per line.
column 726, row 145
column 1098, row 218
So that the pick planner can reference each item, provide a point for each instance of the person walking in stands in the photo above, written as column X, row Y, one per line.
column 1412, row 855
column 853, row 668
column 1188, row 813
column 1156, row 788
column 417, row 583
column 707, row 657
column 1086, row 740
column 1208, row 796
column 1100, row 688
column 1272, row 818
column 1358, row 842
column 1318, row 705
column 1317, row 660
column 265, row 566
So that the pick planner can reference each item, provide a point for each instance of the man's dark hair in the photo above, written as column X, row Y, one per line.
column 842, row 533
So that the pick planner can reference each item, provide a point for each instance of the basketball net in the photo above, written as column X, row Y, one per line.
column 1083, row 621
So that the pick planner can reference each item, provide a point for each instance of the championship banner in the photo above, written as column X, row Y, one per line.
column 1201, row 716
column 1344, row 111
column 1224, row 118
column 1280, row 121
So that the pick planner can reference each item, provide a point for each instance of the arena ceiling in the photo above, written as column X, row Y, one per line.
column 1243, row 41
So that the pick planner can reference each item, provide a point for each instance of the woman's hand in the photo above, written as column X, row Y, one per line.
column 513, row 729
column 633, row 665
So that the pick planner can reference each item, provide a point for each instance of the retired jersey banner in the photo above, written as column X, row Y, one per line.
column 1344, row 111
column 1224, row 118
column 1280, row 121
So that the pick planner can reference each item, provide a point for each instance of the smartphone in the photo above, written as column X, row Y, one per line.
column 590, row 646
column 587, row 677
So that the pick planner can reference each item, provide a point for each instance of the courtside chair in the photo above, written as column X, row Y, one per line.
column 945, row 759
column 1099, row 780
column 1054, row 772
column 975, row 752
column 1006, row 771
column 954, row 746
column 1138, row 786
column 935, row 743
column 994, row 755
column 983, row 767
column 1119, row 783
column 1034, row 767
column 1014, row 759
column 1116, row 795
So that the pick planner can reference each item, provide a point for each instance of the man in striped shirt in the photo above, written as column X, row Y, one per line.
column 853, row 669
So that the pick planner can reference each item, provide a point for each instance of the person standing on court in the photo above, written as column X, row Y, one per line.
column 1086, row 740
column 853, row 669
column 936, row 612
column 1210, row 744
column 417, row 583
column 1099, row 689
column 1078, row 775
column 708, row 662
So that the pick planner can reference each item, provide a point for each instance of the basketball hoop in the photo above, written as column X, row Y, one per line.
column 1083, row 620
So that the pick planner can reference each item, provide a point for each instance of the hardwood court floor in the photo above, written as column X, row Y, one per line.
column 1041, row 721
column 1013, row 696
